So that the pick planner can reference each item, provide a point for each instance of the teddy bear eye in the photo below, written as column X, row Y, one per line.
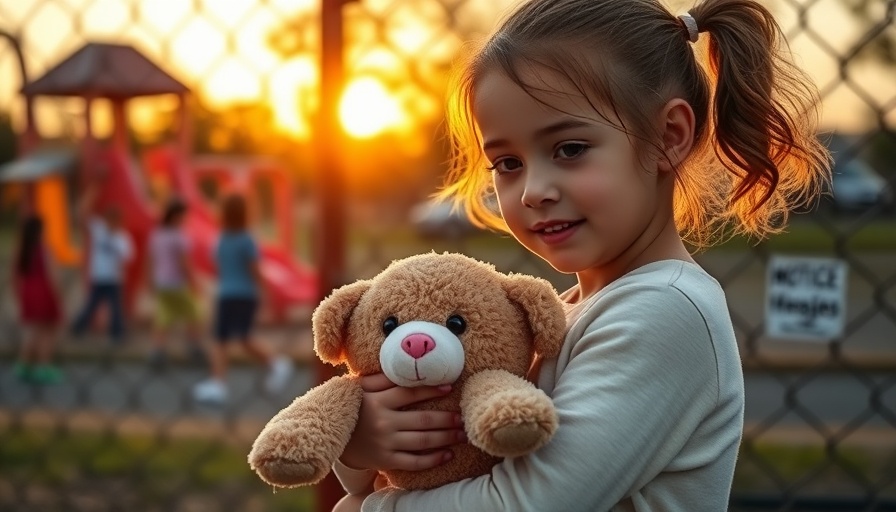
column 389, row 325
column 456, row 324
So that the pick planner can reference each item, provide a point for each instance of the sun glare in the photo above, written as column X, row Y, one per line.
column 367, row 109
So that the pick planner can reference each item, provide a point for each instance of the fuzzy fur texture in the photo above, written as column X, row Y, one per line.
column 509, row 318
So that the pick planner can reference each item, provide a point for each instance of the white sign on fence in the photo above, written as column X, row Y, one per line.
column 805, row 298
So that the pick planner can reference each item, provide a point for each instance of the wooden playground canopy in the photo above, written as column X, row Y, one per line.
column 105, row 70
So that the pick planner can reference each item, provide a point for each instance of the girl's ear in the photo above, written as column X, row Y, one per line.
column 677, row 125
column 329, row 322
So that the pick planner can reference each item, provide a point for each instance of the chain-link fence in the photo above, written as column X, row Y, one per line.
column 118, row 434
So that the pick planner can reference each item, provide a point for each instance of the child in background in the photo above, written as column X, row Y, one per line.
column 110, row 249
column 609, row 145
column 239, row 287
column 39, row 307
column 174, row 283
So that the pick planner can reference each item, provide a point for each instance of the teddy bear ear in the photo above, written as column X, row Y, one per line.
column 329, row 321
column 543, row 309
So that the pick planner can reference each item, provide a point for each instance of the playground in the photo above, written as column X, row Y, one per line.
column 139, row 185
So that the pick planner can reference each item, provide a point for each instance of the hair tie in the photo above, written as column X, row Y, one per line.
column 690, row 24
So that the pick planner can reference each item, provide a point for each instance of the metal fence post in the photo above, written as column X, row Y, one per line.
column 331, row 211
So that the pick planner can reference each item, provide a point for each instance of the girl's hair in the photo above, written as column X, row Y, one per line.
column 756, row 155
column 174, row 211
column 234, row 215
column 30, row 244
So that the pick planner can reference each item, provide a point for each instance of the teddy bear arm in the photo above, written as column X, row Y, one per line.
column 506, row 415
column 299, row 445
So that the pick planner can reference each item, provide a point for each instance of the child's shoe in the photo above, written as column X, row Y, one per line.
column 46, row 375
column 211, row 391
column 279, row 374
column 22, row 371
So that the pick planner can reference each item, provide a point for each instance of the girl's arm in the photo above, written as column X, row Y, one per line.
column 637, row 383
column 124, row 244
column 149, row 265
column 254, row 262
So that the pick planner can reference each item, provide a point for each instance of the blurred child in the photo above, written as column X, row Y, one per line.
column 39, row 308
column 173, row 282
column 239, row 285
column 110, row 251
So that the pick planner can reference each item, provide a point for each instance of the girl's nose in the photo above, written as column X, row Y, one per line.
column 539, row 189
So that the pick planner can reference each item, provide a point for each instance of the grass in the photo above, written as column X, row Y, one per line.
column 158, row 471
column 150, row 471
column 765, row 467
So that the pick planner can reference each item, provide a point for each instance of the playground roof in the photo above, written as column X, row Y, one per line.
column 105, row 70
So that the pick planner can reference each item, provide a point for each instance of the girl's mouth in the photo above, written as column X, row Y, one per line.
column 556, row 233
column 557, row 228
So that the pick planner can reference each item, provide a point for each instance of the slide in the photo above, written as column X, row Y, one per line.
column 287, row 281
column 44, row 174
column 51, row 202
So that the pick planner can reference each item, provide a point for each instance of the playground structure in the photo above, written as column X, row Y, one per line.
column 118, row 73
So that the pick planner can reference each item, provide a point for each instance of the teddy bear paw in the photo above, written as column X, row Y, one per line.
column 519, row 438
column 515, row 424
column 282, row 472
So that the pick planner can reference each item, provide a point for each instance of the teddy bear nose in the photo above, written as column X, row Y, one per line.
column 418, row 345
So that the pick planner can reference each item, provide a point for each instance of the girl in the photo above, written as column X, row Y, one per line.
column 239, row 283
column 173, row 281
column 111, row 250
column 38, row 306
column 610, row 147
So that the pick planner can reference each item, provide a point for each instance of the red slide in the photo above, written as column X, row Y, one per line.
column 287, row 281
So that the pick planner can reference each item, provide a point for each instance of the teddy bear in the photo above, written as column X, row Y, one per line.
column 426, row 320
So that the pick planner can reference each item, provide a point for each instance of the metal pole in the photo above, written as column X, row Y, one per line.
column 331, row 213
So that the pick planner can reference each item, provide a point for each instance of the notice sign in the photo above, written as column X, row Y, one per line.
column 805, row 298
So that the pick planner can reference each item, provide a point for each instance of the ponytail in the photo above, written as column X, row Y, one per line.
column 764, row 115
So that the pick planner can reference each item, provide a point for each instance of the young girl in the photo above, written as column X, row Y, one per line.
column 39, row 308
column 610, row 146
column 239, row 285
column 111, row 250
column 173, row 281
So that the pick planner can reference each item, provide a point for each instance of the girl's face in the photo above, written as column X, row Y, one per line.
column 572, row 189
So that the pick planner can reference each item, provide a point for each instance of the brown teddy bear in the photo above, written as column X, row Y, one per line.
column 426, row 320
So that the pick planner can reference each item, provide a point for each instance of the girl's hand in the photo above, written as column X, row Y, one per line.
column 388, row 437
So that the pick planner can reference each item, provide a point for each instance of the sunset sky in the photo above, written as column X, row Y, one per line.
column 395, row 67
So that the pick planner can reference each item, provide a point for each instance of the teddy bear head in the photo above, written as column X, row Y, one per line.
column 434, row 319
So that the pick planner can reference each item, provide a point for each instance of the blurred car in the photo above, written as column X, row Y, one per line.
column 439, row 218
column 856, row 186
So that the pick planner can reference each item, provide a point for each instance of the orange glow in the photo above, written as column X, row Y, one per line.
column 294, row 95
column 368, row 109
column 223, row 49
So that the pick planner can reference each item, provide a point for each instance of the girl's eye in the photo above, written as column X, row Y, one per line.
column 571, row 150
column 507, row 164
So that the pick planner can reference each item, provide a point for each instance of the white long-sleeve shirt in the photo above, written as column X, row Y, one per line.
column 110, row 251
column 649, row 391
